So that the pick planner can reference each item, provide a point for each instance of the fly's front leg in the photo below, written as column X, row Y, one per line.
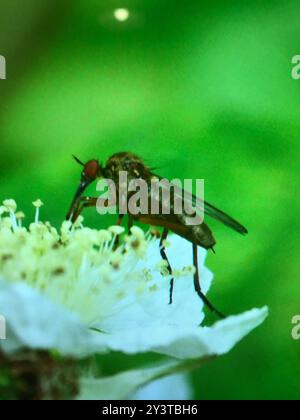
column 165, row 258
column 92, row 202
column 84, row 203
column 130, row 223
column 198, row 287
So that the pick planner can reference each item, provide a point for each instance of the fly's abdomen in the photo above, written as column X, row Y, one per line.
column 203, row 236
column 198, row 234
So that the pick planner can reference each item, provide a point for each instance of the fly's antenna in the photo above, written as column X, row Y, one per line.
column 78, row 160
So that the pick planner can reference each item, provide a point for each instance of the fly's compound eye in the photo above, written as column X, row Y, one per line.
column 92, row 169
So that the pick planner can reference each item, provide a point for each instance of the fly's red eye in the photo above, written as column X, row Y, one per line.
column 91, row 169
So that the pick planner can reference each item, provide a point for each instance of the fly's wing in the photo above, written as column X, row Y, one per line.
column 224, row 218
column 203, row 206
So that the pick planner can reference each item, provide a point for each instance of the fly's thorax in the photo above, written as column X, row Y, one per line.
column 126, row 165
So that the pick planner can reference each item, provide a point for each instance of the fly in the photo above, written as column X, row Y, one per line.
column 135, row 167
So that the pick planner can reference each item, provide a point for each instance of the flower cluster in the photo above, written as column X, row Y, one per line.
column 75, row 291
column 77, row 267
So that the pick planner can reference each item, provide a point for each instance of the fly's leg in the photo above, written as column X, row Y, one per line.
column 119, row 223
column 198, row 287
column 130, row 223
column 86, row 202
column 165, row 258
column 120, row 220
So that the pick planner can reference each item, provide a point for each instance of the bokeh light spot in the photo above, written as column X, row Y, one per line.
column 121, row 14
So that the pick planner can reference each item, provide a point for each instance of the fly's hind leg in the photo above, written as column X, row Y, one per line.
column 165, row 258
column 198, row 287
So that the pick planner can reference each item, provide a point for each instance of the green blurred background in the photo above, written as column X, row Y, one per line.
column 200, row 89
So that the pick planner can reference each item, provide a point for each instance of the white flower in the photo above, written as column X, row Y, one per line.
column 115, row 291
column 173, row 387
column 34, row 322
column 74, row 292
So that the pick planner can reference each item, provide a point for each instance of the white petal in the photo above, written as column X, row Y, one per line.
column 123, row 385
column 173, row 387
column 188, row 342
column 151, row 308
column 33, row 321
